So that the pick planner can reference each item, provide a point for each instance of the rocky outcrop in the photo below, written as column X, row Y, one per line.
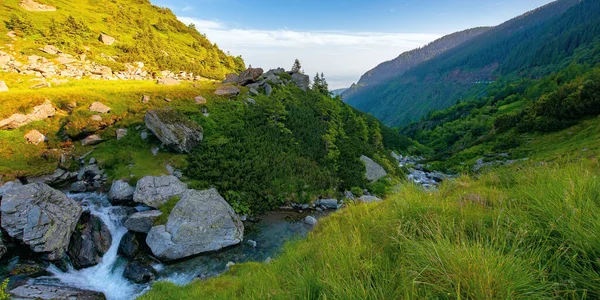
column 156, row 190
column 89, row 242
column 52, row 292
column 31, row 5
column 120, row 192
column 59, row 176
column 98, row 107
column 227, row 90
column 40, row 112
column 374, row 171
column 231, row 78
column 202, row 221
column 174, row 130
column 249, row 76
column 40, row 217
column 106, row 39
column 142, row 221
column 301, row 80
column 35, row 137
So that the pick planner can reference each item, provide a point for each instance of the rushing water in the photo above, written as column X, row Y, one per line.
column 270, row 233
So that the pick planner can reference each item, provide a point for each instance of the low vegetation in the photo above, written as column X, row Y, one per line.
column 520, row 232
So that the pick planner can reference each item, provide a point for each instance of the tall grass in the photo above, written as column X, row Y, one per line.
column 515, row 233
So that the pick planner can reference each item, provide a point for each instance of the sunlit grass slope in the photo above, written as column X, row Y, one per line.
column 528, row 232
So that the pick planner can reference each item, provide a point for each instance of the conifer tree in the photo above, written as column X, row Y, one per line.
column 297, row 66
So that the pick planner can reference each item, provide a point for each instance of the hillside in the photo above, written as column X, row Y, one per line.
column 530, row 46
column 405, row 61
column 141, row 31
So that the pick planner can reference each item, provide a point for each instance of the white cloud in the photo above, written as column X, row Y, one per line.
column 187, row 8
column 342, row 56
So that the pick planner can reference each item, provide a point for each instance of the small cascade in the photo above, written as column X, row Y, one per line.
column 107, row 276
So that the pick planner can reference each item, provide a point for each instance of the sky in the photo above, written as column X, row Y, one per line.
column 341, row 38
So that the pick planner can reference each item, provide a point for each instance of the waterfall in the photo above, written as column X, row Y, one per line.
column 107, row 276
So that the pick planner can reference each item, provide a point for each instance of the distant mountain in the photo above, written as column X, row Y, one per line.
column 530, row 46
column 398, row 66
column 339, row 91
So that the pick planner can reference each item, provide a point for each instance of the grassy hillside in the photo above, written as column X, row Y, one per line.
column 530, row 46
column 290, row 146
column 527, row 232
column 144, row 32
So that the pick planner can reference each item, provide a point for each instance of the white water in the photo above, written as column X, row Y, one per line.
column 107, row 276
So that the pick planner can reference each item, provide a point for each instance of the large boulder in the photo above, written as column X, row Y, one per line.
column 35, row 137
column 40, row 217
column 373, row 170
column 120, row 192
column 202, row 221
column 250, row 75
column 231, row 78
column 139, row 272
column 174, row 130
column 91, row 140
column 40, row 112
column 51, row 292
column 89, row 242
column 131, row 244
column 301, row 80
column 227, row 90
column 156, row 190
column 142, row 221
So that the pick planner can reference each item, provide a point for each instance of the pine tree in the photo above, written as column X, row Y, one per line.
column 297, row 66
column 316, row 83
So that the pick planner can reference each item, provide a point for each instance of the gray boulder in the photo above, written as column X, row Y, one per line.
column 227, row 90
column 142, row 221
column 200, row 100
column 174, row 130
column 328, row 203
column 59, row 176
column 35, row 137
column 268, row 89
column 92, row 140
column 121, row 133
column 202, row 221
column 40, row 112
column 89, row 242
column 40, row 217
column 78, row 187
column 106, row 39
column 156, row 190
column 301, row 80
column 274, row 72
column 231, row 78
column 131, row 244
column 98, row 107
column 120, row 192
column 52, row 292
column 9, row 185
column 310, row 220
column 373, row 170
column 249, row 76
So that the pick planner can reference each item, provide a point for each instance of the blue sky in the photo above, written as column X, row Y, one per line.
column 343, row 39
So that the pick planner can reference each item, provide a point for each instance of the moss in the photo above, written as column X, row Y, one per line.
column 166, row 209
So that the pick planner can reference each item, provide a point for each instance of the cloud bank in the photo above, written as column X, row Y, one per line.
column 342, row 56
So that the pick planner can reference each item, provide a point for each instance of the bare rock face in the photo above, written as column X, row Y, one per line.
column 89, row 242
column 227, row 90
column 249, row 76
column 35, row 137
column 156, row 190
column 40, row 217
column 51, row 292
column 99, row 108
column 31, row 5
column 40, row 112
column 373, row 170
column 174, row 130
column 106, row 39
column 202, row 221
column 301, row 80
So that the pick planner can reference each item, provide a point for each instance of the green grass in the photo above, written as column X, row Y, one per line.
column 166, row 209
column 528, row 232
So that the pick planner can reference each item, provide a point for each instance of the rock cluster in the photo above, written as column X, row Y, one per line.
column 254, row 79
column 40, row 112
